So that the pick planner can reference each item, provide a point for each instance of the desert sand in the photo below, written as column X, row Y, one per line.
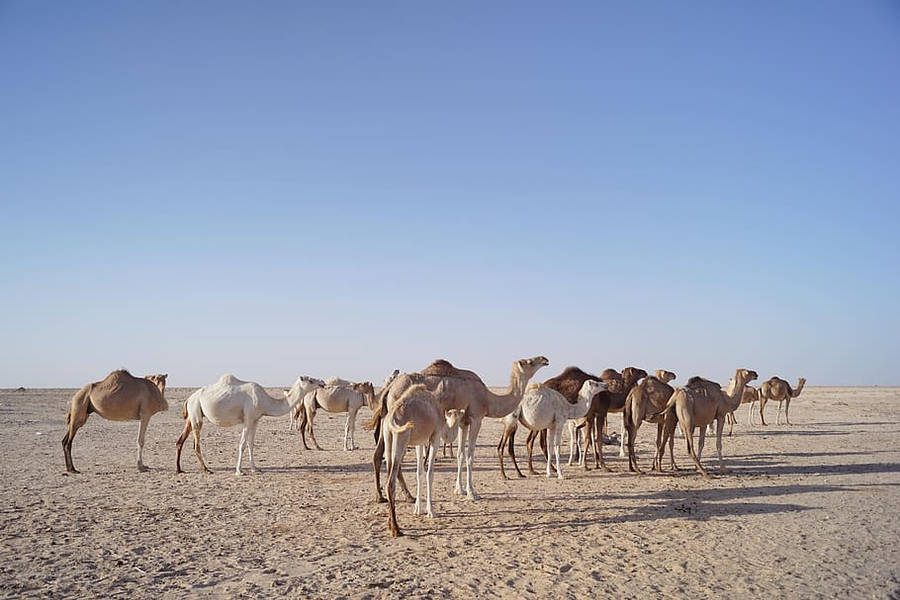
column 810, row 510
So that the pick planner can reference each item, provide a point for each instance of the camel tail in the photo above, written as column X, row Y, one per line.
column 377, row 414
column 396, row 427
column 668, row 408
column 184, row 410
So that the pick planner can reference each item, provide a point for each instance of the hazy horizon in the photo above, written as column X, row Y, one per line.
column 286, row 189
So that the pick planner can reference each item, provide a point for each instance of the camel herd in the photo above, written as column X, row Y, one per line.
column 442, row 403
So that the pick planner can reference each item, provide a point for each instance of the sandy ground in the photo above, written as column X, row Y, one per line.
column 810, row 511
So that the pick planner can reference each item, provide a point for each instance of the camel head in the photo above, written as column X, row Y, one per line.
column 527, row 367
column 368, row 391
column 802, row 382
column 664, row 376
column 613, row 380
column 159, row 380
column 591, row 388
column 390, row 378
column 302, row 386
column 743, row 376
column 631, row 375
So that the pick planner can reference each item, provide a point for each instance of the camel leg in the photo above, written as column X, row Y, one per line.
column 787, row 405
column 197, row 426
column 301, row 425
column 762, row 405
column 588, row 429
column 671, row 453
column 556, row 432
column 778, row 414
column 622, row 441
column 417, row 509
column 461, row 450
column 429, row 479
column 474, row 428
column 179, row 443
column 598, row 440
column 500, row 447
column 731, row 421
column 702, row 442
column 251, row 439
column 750, row 412
column 687, row 429
column 529, row 447
column 237, row 469
column 631, row 430
column 75, row 419
column 142, row 433
column 394, row 456
column 311, row 413
column 511, row 447
column 720, row 426
column 351, row 425
column 377, row 459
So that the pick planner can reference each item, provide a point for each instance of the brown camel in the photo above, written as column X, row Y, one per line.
column 648, row 397
column 778, row 389
column 698, row 404
column 457, row 389
column 119, row 397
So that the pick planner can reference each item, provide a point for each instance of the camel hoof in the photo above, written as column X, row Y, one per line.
column 432, row 515
column 396, row 533
column 207, row 472
column 73, row 471
column 143, row 469
column 417, row 510
column 473, row 496
column 521, row 476
column 239, row 473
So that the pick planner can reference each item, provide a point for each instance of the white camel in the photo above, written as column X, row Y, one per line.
column 545, row 408
column 338, row 396
column 230, row 401
column 300, row 387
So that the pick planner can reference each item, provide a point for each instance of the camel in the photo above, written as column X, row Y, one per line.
column 648, row 397
column 697, row 404
column 119, row 397
column 337, row 396
column 458, row 389
column 544, row 408
column 301, row 383
column 415, row 418
column 230, row 401
column 778, row 389
column 569, row 382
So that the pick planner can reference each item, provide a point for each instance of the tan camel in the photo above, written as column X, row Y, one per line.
column 458, row 389
column 338, row 396
column 119, row 397
column 697, row 404
column 414, row 419
column 778, row 389
column 648, row 397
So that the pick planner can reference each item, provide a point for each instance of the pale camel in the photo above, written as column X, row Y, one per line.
column 415, row 418
column 119, row 397
column 697, row 404
column 778, row 389
column 301, row 386
column 545, row 408
column 337, row 396
column 646, row 398
column 228, row 402
column 458, row 389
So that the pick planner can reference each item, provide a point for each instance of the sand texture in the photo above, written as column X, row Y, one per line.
column 808, row 511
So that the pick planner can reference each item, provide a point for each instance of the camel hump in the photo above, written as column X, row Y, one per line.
column 697, row 381
column 336, row 381
column 441, row 368
column 229, row 379
column 114, row 381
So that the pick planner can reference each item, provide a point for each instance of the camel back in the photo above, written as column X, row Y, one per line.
column 569, row 382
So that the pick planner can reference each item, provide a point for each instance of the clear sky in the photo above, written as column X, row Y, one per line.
column 342, row 188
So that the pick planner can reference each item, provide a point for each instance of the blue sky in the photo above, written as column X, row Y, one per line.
column 293, row 188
